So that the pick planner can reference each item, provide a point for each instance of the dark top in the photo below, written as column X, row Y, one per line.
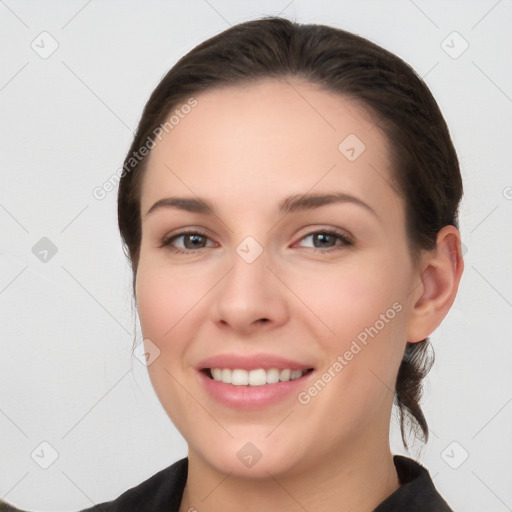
column 163, row 492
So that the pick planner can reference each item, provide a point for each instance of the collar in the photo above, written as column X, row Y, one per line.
column 416, row 491
column 164, row 491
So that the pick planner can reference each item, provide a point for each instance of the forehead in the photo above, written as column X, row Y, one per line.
column 267, row 140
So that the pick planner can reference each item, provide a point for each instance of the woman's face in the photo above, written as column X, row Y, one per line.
column 301, row 262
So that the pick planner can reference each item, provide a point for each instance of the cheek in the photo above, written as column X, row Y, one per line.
column 360, row 323
column 163, row 302
column 167, row 302
column 346, row 299
column 356, row 381
column 164, row 299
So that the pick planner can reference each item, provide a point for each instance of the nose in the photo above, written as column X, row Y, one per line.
column 250, row 298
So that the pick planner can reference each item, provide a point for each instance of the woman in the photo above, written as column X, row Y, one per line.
column 289, row 208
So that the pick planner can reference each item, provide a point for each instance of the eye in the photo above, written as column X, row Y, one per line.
column 327, row 240
column 187, row 241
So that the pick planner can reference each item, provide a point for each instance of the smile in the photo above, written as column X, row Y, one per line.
column 241, row 389
column 257, row 377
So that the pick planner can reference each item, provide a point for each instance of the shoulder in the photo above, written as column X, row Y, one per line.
column 162, row 491
column 417, row 491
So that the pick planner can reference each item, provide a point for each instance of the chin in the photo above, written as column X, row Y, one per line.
column 257, row 458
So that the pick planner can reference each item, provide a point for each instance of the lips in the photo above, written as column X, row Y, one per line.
column 251, row 382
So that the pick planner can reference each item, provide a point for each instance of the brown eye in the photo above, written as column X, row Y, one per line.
column 187, row 241
column 327, row 240
column 324, row 240
column 193, row 241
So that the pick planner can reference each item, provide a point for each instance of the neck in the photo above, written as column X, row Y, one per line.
column 355, row 480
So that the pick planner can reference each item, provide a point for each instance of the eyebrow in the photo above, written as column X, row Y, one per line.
column 298, row 202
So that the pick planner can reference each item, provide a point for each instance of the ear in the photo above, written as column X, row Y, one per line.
column 440, row 276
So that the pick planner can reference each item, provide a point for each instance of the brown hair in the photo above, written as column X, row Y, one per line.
column 423, row 157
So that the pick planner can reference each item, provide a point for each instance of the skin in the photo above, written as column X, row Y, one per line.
column 245, row 149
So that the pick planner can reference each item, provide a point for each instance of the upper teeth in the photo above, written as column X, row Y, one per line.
column 239, row 377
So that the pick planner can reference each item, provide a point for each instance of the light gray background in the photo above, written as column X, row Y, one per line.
column 67, row 374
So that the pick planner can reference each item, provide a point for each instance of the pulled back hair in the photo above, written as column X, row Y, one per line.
column 424, row 161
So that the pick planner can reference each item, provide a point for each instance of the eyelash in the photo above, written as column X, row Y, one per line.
column 346, row 241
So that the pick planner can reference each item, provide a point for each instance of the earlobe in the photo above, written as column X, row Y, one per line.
column 442, row 270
